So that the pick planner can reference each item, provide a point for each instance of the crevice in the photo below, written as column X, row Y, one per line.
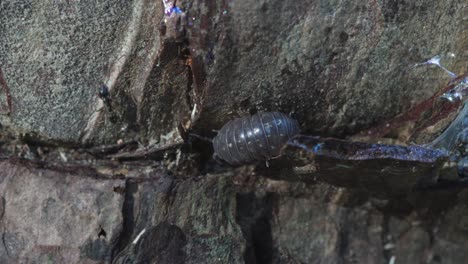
column 254, row 215
column 384, row 236
column 128, row 224
column 5, row 245
column 343, row 240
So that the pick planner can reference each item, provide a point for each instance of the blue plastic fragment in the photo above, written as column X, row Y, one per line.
column 317, row 148
column 176, row 10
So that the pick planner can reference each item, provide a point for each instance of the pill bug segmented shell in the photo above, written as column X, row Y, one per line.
column 254, row 138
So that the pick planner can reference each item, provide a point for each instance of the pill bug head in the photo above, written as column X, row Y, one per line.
column 254, row 138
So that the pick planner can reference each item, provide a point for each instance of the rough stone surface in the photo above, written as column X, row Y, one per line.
column 179, row 224
column 323, row 227
column 80, row 216
column 336, row 66
column 57, row 216
column 53, row 57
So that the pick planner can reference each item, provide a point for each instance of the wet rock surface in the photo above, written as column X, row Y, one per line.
column 117, row 179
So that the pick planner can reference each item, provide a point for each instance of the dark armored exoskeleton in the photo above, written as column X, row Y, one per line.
column 259, row 137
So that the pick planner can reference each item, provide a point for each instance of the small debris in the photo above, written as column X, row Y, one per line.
column 63, row 156
column 102, row 232
column 436, row 61
column 389, row 246
column 171, row 8
column 104, row 95
column 458, row 92
column 139, row 236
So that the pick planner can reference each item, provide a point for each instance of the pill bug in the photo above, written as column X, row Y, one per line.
column 254, row 138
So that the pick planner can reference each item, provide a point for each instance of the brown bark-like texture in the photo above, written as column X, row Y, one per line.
column 99, row 101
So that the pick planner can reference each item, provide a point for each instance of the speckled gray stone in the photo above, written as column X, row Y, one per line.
column 57, row 215
column 338, row 67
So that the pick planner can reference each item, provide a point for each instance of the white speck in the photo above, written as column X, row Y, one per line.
column 194, row 113
column 392, row 260
column 389, row 246
column 62, row 155
column 178, row 155
column 138, row 237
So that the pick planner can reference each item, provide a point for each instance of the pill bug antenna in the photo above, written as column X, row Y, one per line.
column 202, row 138
column 203, row 146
